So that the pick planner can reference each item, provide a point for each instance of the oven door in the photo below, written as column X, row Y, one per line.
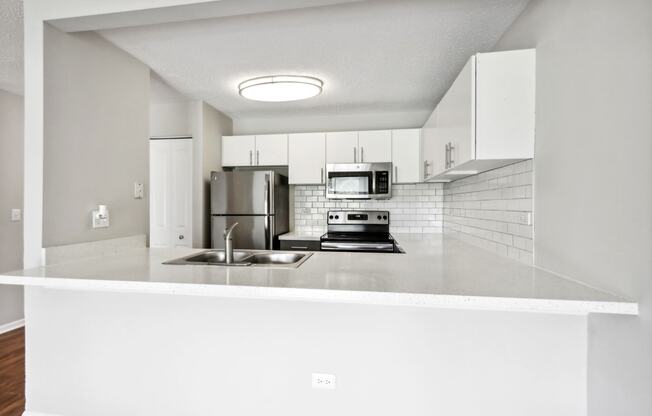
column 349, row 184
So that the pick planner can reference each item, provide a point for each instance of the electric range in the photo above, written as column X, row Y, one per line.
column 358, row 231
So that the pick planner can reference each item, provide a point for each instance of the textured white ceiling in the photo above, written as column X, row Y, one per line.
column 11, row 46
column 375, row 57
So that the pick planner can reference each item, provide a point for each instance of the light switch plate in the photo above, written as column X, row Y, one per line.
column 16, row 214
column 139, row 190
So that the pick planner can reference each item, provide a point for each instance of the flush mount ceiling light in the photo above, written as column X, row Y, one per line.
column 278, row 88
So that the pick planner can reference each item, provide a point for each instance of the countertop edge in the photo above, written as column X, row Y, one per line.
column 466, row 302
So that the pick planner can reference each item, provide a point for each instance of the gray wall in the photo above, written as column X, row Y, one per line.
column 209, row 127
column 95, row 138
column 11, row 196
column 592, row 187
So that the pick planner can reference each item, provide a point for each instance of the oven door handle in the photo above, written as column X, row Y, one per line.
column 341, row 246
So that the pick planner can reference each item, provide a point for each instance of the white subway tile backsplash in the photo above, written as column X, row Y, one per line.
column 414, row 208
column 491, row 210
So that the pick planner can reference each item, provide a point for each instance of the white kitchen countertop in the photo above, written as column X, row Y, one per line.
column 436, row 271
column 300, row 236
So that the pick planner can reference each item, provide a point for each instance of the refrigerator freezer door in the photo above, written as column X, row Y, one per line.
column 252, row 232
column 241, row 193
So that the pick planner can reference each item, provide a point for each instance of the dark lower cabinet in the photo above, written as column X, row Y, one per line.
column 301, row 245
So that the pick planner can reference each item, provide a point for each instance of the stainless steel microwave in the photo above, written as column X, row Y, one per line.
column 359, row 180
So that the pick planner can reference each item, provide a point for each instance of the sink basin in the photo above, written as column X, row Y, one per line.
column 245, row 258
column 213, row 257
column 276, row 258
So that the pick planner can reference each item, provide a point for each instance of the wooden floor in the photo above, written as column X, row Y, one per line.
column 12, row 373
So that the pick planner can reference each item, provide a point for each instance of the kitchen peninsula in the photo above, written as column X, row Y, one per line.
column 199, row 331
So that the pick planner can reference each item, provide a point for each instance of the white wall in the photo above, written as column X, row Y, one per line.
column 169, row 119
column 170, row 355
column 11, row 196
column 282, row 123
column 592, row 187
column 170, row 112
column 96, row 138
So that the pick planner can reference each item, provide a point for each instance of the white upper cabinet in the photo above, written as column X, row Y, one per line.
column 505, row 101
column 261, row 150
column 359, row 146
column 406, row 155
column 238, row 150
column 375, row 146
column 271, row 150
column 456, row 118
column 307, row 158
column 342, row 147
column 485, row 120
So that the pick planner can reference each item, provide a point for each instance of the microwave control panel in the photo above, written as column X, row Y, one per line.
column 382, row 182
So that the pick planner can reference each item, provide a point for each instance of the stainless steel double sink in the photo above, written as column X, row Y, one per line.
column 245, row 258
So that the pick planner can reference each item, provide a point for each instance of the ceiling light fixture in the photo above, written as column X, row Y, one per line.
column 278, row 88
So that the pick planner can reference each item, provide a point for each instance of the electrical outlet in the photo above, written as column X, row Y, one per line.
column 525, row 218
column 323, row 381
column 16, row 214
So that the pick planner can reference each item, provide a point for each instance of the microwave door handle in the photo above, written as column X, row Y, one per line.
column 373, row 182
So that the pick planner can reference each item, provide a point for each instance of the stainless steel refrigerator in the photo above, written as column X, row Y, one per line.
column 257, row 200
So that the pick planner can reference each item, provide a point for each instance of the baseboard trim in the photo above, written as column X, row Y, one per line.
column 12, row 325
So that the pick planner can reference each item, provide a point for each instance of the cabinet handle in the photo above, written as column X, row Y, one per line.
column 322, row 175
column 299, row 247
column 362, row 155
column 355, row 156
column 257, row 157
column 395, row 173
column 251, row 158
column 425, row 169
column 446, row 164
column 451, row 162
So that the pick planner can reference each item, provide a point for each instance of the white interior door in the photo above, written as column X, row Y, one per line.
column 170, row 204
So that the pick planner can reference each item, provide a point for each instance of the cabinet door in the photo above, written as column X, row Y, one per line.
column 456, row 116
column 271, row 150
column 406, row 155
column 505, row 94
column 432, row 147
column 238, row 150
column 375, row 146
column 342, row 147
column 307, row 158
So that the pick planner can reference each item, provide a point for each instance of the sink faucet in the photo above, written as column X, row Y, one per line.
column 228, row 244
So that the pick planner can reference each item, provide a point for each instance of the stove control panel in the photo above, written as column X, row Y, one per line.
column 358, row 217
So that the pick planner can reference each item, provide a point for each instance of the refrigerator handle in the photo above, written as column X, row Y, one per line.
column 268, row 204
column 267, row 196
